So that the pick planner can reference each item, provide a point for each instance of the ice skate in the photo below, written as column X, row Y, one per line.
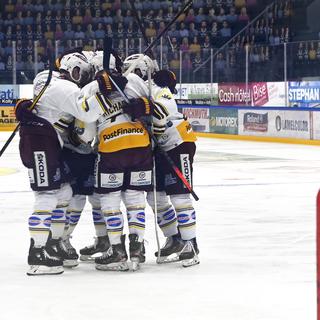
column 41, row 263
column 69, row 246
column 115, row 259
column 137, row 252
column 100, row 246
column 189, row 253
column 171, row 250
column 57, row 248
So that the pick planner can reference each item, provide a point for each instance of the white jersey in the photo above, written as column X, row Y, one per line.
column 63, row 101
column 177, row 128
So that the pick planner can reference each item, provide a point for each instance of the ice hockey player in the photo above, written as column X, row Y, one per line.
column 177, row 219
column 40, row 151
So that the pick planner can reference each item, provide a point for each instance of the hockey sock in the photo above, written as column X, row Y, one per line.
column 110, row 207
column 166, row 215
column 99, row 222
column 58, row 220
column 134, row 201
column 39, row 227
column 97, row 216
column 186, row 215
column 75, row 208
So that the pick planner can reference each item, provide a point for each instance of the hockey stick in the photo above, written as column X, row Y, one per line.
column 185, row 8
column 35, row 101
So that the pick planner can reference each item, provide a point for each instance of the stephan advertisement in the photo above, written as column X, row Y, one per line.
column 304, row 94
column 224, row 121
column 275, row 123
column 198, row 117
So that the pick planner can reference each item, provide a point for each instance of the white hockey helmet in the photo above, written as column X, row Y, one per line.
column 138, row 63
column 97, row 61
column 78, row 68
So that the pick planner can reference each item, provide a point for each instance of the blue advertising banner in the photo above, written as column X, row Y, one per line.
column 304, row 94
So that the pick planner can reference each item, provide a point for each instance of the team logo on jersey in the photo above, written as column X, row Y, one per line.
column 186, row 168
column 41, row 168
column 140, row 178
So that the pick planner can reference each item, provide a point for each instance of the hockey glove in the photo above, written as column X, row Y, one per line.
column 22, row 110
column 165, row 78
column 140, row 108
column 105, row 84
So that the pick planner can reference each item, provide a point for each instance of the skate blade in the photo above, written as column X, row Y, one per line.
column 135, row 264
column 117, row 266
column 72, row 263
column 168, row 259
column 44, row 270
column 191, row 262
column 90, row 258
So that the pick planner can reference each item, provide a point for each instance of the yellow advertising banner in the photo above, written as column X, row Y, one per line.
column 8, row 121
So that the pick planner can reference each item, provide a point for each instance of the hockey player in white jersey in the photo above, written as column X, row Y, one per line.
column 40, row 151
column 177, row 219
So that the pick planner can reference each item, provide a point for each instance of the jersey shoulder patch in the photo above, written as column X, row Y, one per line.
column 164, row 93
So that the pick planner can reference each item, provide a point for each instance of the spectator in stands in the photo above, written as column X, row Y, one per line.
column 29, row 19
column 2, row 35
column 225, row 31
column 40, row 63
column 200, row 16
column 214, row 32
column 9, row 7
column 173, row 32
column 232, row 17
column 89, row 34
column 8, row 48
column 109, row 31
column 69, row 33
column 221, row 16
column 197, row 60
column 194, row 46
column 9, row 63
column 29, row 48
column 96, row 19
column 175, row 62
column 318, row 51
column 132, row 47
column 28, row 5
column 29, row 33
column 203, row 31
column 170, row 14
column 99, row 33
column 211, row 16
column 9, row 20
column 79, row 34
column 190, row 16
column 312, row 53
column 58, row 34
column 174, row 44
column 48, row 33
column 38, row 7
column 18, row 6
column 159, row 17
column 120, row 31
column 239, row 3
column 151, row 31
column 184, row 47
column 19, row 18
column 19, row 63
column 128, row 18
column 88, row 45
column 18, row 34
column 206, row 47
column 87, row 19
column 67, row 17
column 243, row 16
column 38, row 19
column 183, row 32
column 38, row 34
column 77, row 18
column 192, row 31
column 9, row 33
column 118, row 18
column 48, row 18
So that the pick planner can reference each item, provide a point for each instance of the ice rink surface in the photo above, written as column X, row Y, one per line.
column 256, row 234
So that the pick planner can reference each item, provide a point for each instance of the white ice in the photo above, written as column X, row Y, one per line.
column 256, row 234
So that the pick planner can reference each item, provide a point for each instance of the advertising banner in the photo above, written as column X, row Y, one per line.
column 8, row 97
column 254, row 94
column 315, row 125
column 275, row 123
column 224, row 121
column 198, row 117
column 197, row 93
column 304, row 94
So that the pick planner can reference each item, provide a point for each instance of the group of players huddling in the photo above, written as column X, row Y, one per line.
column 90, row 135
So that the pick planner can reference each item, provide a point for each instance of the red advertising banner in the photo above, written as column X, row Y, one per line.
column 238, row 94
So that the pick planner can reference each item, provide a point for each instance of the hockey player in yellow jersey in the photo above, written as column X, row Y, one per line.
column 176, row 218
